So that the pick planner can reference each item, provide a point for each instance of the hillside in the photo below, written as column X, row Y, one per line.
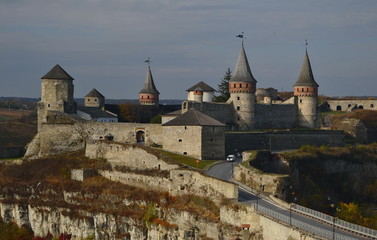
column 338, row 181
column 17, row 127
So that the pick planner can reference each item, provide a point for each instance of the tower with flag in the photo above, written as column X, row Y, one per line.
column 149, row 95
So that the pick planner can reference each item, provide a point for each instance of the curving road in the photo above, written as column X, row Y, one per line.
column 266, row 206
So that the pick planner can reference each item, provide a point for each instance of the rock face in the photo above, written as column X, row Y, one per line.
column 73, row 216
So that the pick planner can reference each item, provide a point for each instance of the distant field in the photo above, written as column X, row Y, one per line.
column 17, row 127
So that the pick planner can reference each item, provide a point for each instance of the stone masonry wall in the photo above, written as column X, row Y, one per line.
column 58, row 138
column 123, row 155
column 192, row 182
column 280, row 140
column 260, row 181
column 139, row 180
column 275, row 115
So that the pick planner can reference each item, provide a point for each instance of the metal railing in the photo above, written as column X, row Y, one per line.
column 339, row 223
column 320, row 232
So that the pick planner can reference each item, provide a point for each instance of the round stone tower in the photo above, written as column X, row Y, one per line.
column 306, row 91
column 242, row 89
column 57, row 93
column 198, row 95
column 149, row 95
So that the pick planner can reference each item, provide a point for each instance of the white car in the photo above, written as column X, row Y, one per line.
column 231, row 158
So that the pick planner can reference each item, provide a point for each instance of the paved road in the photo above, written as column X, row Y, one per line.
column 224, row 171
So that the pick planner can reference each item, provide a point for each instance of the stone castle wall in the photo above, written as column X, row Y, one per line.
column 275, row 115
column 260, row 181
column 54, row 138
column 129, row 156
column 345, row 105
column 280, row 140
column 179, row 182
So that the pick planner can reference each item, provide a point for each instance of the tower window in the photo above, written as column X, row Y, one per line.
column 48, row 105
column 238, row 118
column 300, row 100
column 234, row 86
column 238, row 108
column 95, row 99
column 179, row 140
column 247, row 85
column 88, row 99
column 349, row 105
column 372, row 106
column 240, row 85
column 238, row 98
column 148, row 96
column 302, row 89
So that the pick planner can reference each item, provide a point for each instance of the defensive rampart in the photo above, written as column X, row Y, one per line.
column 280, row 140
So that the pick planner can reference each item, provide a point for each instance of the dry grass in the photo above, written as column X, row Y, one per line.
column 17, row 127
column 368, row 117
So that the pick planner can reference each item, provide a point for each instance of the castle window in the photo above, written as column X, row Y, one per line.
column 185, row 127
column 179, row 140
column 234, row 86
column 48, row 105
column 88, row 99
column 95, row 99
column 302, row 89
column 238, row 118
column 338, row 108
column 247, row 85
column 372, row 106
column 184, row 153
column 148, row 96
column 349, row 105
column 238, row 98
column 142, row 96
column 238, row 108
column 300, row 100
column 240, row 85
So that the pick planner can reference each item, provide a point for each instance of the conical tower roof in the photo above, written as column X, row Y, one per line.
column 243, row 72
column 149, row 86
column 306, row 78
column 94, row 93
column 57, row 72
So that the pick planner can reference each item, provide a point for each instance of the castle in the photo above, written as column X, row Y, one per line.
column 197, row 130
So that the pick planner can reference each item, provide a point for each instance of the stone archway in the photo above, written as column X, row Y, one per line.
column 140, row 136
column 338, row 108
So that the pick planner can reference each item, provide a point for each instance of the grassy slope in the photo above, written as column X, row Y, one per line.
column 17, row 127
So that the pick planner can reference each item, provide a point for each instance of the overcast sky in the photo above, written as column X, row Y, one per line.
column 102, row 44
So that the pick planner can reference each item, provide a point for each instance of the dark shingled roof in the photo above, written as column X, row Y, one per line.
column 306, row 78
column 94, row 93
column 194, row 118
column 57, row 72
column 201, row 85
column 96, row 112
column 149, row 86
column 243, row 72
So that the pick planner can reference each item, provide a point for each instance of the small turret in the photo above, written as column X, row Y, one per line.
column 149, row 95
column 306, row 91
column 203, row 89
column 94, row 99
column 242, row 87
